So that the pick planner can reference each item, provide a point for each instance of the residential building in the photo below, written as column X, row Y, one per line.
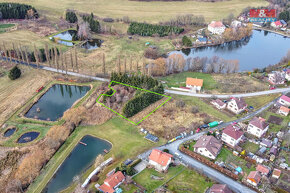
column 284, row 100
column 208, row 146
column 220, row 188
column 232, row 135
column 254, row 178
column 258, row 127
column 276, row 78
column 274, row 150
column 201, row 40
column 236, row 24
column 266, row 143
column 277, row 24
column 287, row 75
column 194, row 83
column 283, row 111
column 276, row 173
column 237, row 105
column 216, row 27
column 160, row 160
column 112, row 183
column 264, row 170
column 284, row 23
column 219, row 104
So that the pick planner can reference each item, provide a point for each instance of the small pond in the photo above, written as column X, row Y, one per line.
column 66, row 35
column 56, row 101
column 27, row 137
column 77, row 162
column 92, row 44
column 9, row 132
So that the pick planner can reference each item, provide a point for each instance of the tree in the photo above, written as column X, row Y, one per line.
column 14, row 73
column 186, row 41
column 84, row 31
column 71, row 16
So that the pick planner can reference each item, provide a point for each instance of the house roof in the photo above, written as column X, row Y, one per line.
column 259, row 122
column 160, row 157
column 220, row 188
column 233, row 132
column 278, row 23
column 216, row 24
column 274, row 150
column 202, row 39
column 210, row 143
column 285, row 98
column 266, row 142
column 283, row 22
column 115, row 179
column 284, row 109
column 240, row 102
column 219, row 102
column 254, row 175
column 194, row 81
column 262, row 169
column 106, row 189
column 276, row 172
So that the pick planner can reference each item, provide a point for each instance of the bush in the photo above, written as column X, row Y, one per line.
column 151, row 53
column 94, row 24
column 14, row 73
column 186, row 41
column 180, row 103
column 71, row 17
column 194, row 110
column 108, row 19
column 166, row 150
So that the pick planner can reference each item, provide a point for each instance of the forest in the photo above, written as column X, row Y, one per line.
column 17, row 11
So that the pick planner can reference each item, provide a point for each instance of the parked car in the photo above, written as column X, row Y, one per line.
column 204, row 126
column 197, row 130
column 234, row 123
column 272, row 88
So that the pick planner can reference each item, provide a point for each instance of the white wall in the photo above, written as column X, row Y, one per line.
column 229, row 140
column 256, row 131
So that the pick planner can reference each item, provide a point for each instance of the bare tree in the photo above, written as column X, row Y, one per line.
column 71, row 60
column 104, row 64
column 84, row 31
column 14, row 186
column 76, row 59
column 36, row 56
column 47, row 54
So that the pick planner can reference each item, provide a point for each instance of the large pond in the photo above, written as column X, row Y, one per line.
column 80, row 159
column 258, row 51
column 56, row 101
column 27, row 137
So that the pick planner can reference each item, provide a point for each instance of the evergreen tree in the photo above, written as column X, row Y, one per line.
column 14, row 73
column 186, row 41
column 71, row 17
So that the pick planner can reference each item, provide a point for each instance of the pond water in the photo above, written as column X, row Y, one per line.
column 66, row 43
column 77, row 162
column 66, row 35
column 27, row 137
column 92, row 44
column 9, row 132
column 258, row 51
column 56, row 101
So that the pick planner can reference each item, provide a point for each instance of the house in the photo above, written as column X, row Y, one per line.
column 283, row 111
column 263, row 169
column 284, row 23
column 284, row 100
column 254, row 178
column 208, row 146
column 232, row 135
column 276, row 173
column 266, row 143
column 219, row 104
column 160, row 160
column 237, row 105
column 236, row 24
column 258, row 127
column 287, row 75
column 201, row 40
column 216, row 27
column 276, row 78
column 112, row 182
column 219, row 188
column 276, row 24
column 274, row 150
column 194, row 83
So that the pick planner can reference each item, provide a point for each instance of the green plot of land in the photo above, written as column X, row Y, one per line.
column 274, row 127
column 177, row 80
column 250, row 147
column 259, row 101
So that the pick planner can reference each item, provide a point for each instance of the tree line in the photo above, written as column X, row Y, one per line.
column 145, row 29
column 17, row 11
column 94, row 24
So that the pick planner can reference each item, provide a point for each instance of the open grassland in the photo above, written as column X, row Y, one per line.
column 125, row 138
column 142, row 11
column 259, row 101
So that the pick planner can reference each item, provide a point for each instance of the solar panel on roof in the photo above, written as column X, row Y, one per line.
column 151, row 137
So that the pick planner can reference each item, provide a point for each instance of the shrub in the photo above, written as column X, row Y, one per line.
column 14, row 73
column 94, row 24
column 180, row 103
column 151, row 53
column 108, row 19
column 166, row 150
column 71, row 17
column 186, row 41
column 194, row 110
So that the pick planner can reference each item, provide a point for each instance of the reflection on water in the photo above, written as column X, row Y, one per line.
column 27, row 137
column 66, row 35
column 92, row 44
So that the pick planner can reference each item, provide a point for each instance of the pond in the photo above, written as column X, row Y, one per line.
column 66, row 35
column 92, row 44
column 27, row 137
column 9, row 132
column 77, row 162
column 56, row 101
column 258, row 51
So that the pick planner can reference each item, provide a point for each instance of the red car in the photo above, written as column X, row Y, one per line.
column 272, row 88
column 197, row 130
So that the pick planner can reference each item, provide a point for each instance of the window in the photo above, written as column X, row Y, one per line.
column 205, row 149
column 232, row 139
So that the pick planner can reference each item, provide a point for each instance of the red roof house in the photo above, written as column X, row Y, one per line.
column 219, row 188
column 276, row 24
column 232, row 135
column 254, row 178
column 263, row 169
column 276, row 173
column 258, row 127
column 160, row 160
column 284, row 100
column 112, row 182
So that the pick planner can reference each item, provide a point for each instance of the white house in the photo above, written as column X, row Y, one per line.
column 237, row 105
column 219, row 104
column 284, row 100
column 208, row 146
column 236, row 24
column 160, row 160
column 216, row 27
column 287, row 75
column 276, row 173
column 276, row 77
column 258, row 127
column 194, row 83
column 232, row 135
column 254, row 178
column 283, row 111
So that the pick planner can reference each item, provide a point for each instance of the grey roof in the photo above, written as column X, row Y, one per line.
column 210, row 143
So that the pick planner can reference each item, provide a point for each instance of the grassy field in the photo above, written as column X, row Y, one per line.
column 117, row 131
column 250, row 147
column 142, row 11
column 259, row 101
column 273, row 127
column 177, row 80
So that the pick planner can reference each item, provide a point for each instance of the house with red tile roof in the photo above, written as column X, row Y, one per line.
column 160, row 160
column 112, row 182
column 194, row 84
column 276, row 24
column 220, row 188
column 216, row 27
column 283, row 111
column 276, row 173
column 218, row 103
column 208, row 146
column 254, row 178
column 237, row 105
column 264, row 170
column 258, row 127
column 284, row 100
column 232, row 135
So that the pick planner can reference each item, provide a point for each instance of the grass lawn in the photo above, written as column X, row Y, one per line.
column 7, row 25
column 177, row 80
column 145, row 180
column 273, row 127
column 143, row 11
column 189, row 181
column 126, row 140
column 129, row 188
column 259, row 101
column 250, row 147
